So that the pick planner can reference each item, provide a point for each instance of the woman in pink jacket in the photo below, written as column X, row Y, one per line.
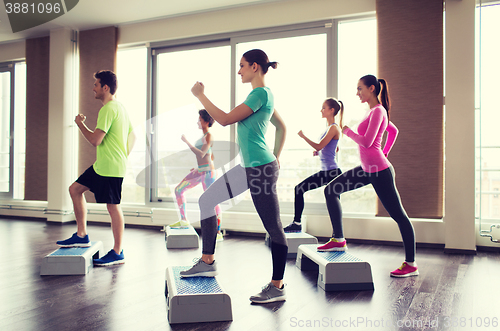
column 375, row 169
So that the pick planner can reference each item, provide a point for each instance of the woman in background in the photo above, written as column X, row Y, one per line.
column 326, row 149
column 205, row 174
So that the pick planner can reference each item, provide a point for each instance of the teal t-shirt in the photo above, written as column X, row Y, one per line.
column 112, row 153
column 252, row 130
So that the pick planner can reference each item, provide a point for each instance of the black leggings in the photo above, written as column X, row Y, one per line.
column 261, row 181
column 321, row 178
column 385, row 186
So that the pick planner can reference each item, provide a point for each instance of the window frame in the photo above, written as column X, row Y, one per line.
column 329, row 27
column 481, row 194
column 152, row 127
column 10, row 67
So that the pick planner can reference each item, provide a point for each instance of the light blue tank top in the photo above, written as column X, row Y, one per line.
column 327, row 154
column 199, row 144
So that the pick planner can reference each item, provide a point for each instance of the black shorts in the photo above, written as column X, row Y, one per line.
column 105, row 189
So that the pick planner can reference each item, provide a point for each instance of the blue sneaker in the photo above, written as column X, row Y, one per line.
column 75, row 241
column 110, row 259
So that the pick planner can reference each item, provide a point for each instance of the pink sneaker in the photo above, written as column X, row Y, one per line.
column 405, row 271
column 333, row 245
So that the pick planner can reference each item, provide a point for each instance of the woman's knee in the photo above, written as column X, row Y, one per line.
column 205, row 202
column 278, row 236
column 299, row 189
column 178, row 190
column 401, row 218
column 330, row 192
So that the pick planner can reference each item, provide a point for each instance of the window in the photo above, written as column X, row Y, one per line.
column 19, row 129
column 299, row 88
column 132, row 92
column 355, row 59
column 12, row 129
column 6, row 91
column 487, row 114
column 175, row 112
column 314, row 63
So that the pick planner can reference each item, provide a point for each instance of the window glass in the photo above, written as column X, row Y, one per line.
column 132, row 90
column 355, row 59
column 5, row 130
column 176, row 111
column 299, row 85
column 19, row 129
column 487, row 114
column 299, row 88
column 12, row 129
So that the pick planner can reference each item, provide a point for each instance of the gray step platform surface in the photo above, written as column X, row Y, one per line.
column 195, row 299
column 337, row 271
column 70, row 261
column 294, row 240
column 182, row 237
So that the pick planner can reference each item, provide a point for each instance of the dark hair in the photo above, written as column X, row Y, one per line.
column 107, row 77
column 381, row 88
column 338, row 106
column 258, row 56
column 206, row 117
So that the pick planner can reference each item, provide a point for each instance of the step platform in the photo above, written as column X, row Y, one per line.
column 294, row 240
column 71, row 260
column 338, row 271
column 195, row 299
column 181, row 237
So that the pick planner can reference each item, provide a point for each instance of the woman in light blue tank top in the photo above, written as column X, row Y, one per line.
column 204, row 174
column 326, row 149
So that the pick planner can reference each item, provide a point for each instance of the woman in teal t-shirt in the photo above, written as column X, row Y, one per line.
column 258, row 172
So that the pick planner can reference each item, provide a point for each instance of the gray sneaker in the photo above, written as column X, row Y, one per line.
column 270, row 293
column 200, row 269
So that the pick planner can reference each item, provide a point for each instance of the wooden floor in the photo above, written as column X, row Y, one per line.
column 452, row 290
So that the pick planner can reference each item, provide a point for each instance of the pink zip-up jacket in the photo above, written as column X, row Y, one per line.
column 369, row 138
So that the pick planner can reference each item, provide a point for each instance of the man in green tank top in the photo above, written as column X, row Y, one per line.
column 113, row 139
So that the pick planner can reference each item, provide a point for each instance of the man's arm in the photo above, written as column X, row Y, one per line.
column 93, row 137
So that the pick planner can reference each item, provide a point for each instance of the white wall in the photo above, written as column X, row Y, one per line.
column 242, row 18
column 459, row 129
column 13, row 51
column 61, row 124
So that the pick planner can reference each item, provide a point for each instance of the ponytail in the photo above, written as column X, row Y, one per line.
column 384, row 96
column 273, row 65
column 381, row 90
column 341, row 121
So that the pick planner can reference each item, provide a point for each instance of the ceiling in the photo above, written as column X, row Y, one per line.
column 90, row 14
